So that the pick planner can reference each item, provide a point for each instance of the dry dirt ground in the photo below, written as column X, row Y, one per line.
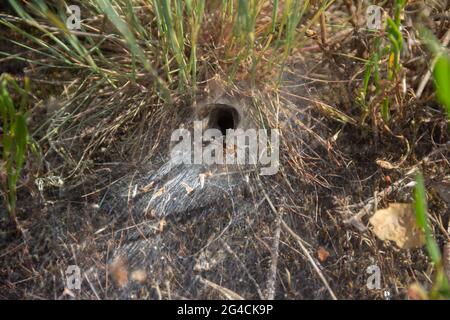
column 300, row 234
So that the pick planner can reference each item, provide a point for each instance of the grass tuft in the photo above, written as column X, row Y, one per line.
column 15, row 138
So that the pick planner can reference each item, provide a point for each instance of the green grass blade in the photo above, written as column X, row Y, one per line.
column 422, row 221
column 442, row 81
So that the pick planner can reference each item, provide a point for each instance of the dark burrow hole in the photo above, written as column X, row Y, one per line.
column 223, row 117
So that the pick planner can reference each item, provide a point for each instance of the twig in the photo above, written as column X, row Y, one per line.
column 368, row 206
column 235, row 256
column 350, row 9
column 92, row 287
column 446, row 259
column 274, row 263
column 300, row 243
column 310, row 258
column 323, row 29
column 227, row 293
column 446, row 251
